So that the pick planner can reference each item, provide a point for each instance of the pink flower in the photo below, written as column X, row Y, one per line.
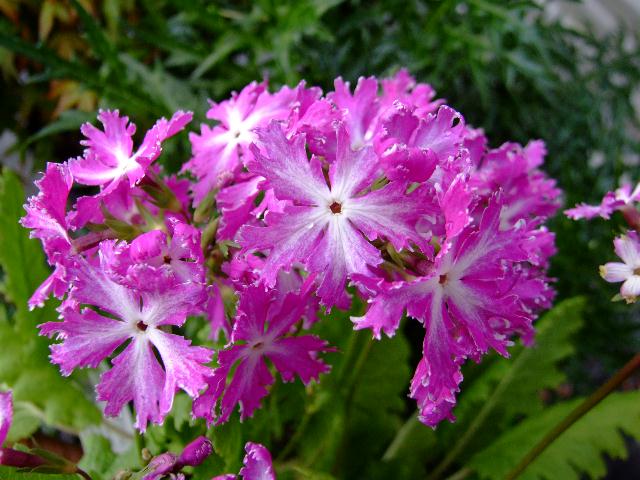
column 465, row 301
column 627, row 247
column 113, row 315
column 219, row 152
column 262, row 330
column 612, row 201
column 6, row 414
column 109, row 156
column 327, row 228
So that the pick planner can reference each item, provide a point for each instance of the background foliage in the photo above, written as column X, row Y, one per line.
column 505, row 65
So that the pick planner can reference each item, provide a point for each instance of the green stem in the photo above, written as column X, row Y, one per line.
column 401, row 437
column 461, row 474
column 582, row 409
column 295, row 437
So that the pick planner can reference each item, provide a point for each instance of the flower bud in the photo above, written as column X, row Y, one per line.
column 196, row 452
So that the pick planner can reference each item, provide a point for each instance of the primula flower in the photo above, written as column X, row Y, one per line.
column 220, row 151
column 627, row 247
column 262, row 330
column 466, row 304
column 134, row 317
column 257, row 464
column 623, row 199
column 327, row 228
column 109, row 156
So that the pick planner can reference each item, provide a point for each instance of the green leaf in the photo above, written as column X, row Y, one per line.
column 227, row 443
column 579, row 450
column 38, row 388
column 69, row 120
column 99, row 460
column 97, row 38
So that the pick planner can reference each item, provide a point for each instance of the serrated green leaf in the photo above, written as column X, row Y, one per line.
column 578, row 451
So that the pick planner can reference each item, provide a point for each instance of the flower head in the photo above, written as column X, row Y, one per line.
column 100, row 315
column 109, row 157
column 465, row 301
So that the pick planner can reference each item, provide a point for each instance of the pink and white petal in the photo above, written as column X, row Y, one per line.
column 441, row 132
column 390, row 213
column 247, row 388
column 184, row 366
column 455, row 206
column 406, row 164
column 252, row 312
column 46, row 211
column 112, row 143
column 615, row 272
column 630, row 289
column 91, row 286
column 340, row 252
column 359, row 110
column 297, row 356
column 286, row 167
column 437, row 378
column 172, row 304
column 257, row 463
column 136, row 376
column 205, row 405
column 608, row 205
column 627, row 247
column 290, row 237
column 6, row 414
column 88, row 339
column 352, row 171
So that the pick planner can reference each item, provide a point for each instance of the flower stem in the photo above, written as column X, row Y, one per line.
column 588, row 404
column 401, row 437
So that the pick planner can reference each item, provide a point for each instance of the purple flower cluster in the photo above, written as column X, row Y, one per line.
column 288, row 200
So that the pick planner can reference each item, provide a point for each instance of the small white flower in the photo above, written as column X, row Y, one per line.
column 627, row 247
